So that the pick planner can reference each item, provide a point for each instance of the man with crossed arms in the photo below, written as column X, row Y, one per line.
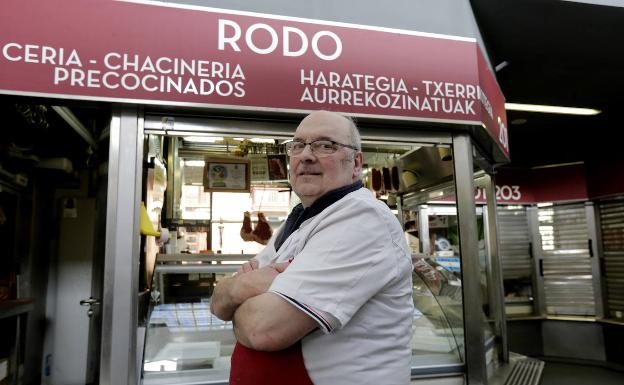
column 329, row 300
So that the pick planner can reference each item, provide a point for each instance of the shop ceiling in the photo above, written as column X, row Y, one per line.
column 34, row 131
column 563, row 53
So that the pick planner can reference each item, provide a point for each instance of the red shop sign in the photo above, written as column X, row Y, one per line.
column 158, row 53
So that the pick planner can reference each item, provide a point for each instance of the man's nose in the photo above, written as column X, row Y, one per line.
column 307, row 154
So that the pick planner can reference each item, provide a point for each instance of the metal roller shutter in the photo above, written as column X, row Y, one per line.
column 612, row 226
column 566, row 265
column 514, row 242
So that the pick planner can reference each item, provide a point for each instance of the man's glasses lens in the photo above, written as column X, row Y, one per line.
column 318, row 147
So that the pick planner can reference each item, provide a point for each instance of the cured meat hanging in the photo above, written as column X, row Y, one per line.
column 246, row 231
column 396, row 182
column 387, row 184
column 262, row 233
column 376, row 176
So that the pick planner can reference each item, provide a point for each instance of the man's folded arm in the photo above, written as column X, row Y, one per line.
column 268, row 322
column 231, row 292
column 224, row 302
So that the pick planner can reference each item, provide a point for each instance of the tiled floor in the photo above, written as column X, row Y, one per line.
column 569, row 374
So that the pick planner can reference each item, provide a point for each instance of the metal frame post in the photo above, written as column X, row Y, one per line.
column 497, row 301
column 537, row 278
column 173, row 178
column 595, row 252
column 118, row 365
column 468, row 239
column 423, row 230
column 491, row 293
column 606, row 311
column 400, row 215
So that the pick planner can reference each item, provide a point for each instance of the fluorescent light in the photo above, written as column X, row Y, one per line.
column 262, row 140
column 501, row 65
column 194, row 163
column 557, row 165
column 610, row 3
column 550, row 109
column 203, row 139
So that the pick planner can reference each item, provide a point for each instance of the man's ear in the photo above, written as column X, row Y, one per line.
column 358, row 159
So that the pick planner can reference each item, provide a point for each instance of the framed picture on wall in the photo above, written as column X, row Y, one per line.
column 259, row 167
column 226, row 174
column 277, row 167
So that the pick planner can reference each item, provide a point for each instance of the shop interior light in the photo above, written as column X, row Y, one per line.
column 203, row 139
column 558, row 165
column 194, row 163
column 184, row 133
column 255, row 140
column 550, row 109
column 610, row 3
column 262, row 140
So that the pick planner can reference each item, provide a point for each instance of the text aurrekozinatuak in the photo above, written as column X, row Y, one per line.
column 363, row 90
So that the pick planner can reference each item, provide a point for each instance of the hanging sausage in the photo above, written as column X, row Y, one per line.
column 394, row 175
column 387, row 180
column 376, row 176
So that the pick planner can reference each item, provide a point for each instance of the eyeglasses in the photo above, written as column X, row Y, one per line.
column 320, row 148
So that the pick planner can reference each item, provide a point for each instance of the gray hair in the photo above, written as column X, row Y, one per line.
column 356, row 139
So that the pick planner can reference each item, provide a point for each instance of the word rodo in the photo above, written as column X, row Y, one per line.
column 230, row 33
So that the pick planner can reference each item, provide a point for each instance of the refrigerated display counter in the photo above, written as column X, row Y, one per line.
column 187, row 344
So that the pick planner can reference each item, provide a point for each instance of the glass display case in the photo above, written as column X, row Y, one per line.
column 432, row 230
column 186, row 344
column 184, row 340
column 437, row 333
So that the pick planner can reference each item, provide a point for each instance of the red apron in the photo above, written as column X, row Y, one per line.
column 284, row 367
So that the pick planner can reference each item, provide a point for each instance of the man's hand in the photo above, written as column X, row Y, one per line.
column 280, row 266
column 248, row 266
column 266, row 321
column 231, row 292
column 252, row 264
column 255, row 282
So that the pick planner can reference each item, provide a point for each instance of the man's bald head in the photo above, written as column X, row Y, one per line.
column 314, row 174
column 339, row 121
